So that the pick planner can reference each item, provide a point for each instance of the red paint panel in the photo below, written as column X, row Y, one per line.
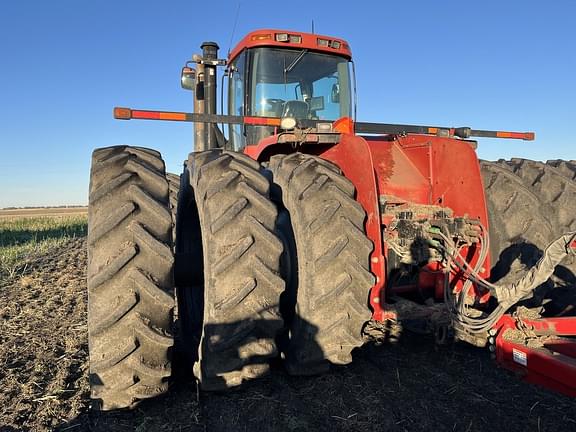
column 397, row 174
column 431, row 170
column 255, row 151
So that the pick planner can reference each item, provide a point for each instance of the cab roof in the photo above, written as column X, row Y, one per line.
column 292, row 39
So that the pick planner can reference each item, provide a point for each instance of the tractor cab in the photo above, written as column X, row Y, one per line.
column 287, row 75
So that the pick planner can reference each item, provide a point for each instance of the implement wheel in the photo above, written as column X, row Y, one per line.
column 326, row 262
column 130, row 261
column 228, row 269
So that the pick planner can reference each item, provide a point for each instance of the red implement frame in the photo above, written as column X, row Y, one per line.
column 551, row 362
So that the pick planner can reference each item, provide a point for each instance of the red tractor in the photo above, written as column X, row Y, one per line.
column 302, row 232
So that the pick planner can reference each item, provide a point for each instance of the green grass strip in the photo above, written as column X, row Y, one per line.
column 25, row 238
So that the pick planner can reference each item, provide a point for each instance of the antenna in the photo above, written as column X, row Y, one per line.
column 234, row 27
column 312, row 26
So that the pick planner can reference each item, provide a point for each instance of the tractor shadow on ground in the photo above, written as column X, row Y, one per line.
column 182, row 407
column 557, row 295
column 245, row 356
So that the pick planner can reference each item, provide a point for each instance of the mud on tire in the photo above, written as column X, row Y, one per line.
column 555, row 189
column 326, row 298
column 228, row 256
column 130, row 261
column 566, row 167
column 173, row 190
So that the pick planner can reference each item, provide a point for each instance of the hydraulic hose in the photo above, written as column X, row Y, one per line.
column 507, row 295
column 553, row 255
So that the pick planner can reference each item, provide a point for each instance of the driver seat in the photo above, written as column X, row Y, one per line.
column 295, row 109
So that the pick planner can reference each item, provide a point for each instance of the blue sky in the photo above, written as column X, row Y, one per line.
column 507, row 65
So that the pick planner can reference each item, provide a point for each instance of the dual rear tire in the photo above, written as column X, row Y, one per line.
column 268, row 261
column 305, row 296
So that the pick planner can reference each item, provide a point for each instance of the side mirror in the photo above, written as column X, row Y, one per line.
column 335, row 94
column 188, row 78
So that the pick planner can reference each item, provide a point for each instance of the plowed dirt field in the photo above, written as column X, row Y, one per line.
column 409, row 386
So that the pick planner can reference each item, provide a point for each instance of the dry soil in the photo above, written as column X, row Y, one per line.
column 409, row 386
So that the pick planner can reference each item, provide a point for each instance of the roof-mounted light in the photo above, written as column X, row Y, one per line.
column 261, row 36
column 285, row 37
column 326, row 43
column 282, row 37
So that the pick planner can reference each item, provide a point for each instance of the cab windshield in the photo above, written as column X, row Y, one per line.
column 287, row 83
column 300, row 84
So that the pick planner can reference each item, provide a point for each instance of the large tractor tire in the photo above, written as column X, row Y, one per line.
column 326, row 262
column 519, row 226
column 228, row 269
column 530, row 204
column 130, row 261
